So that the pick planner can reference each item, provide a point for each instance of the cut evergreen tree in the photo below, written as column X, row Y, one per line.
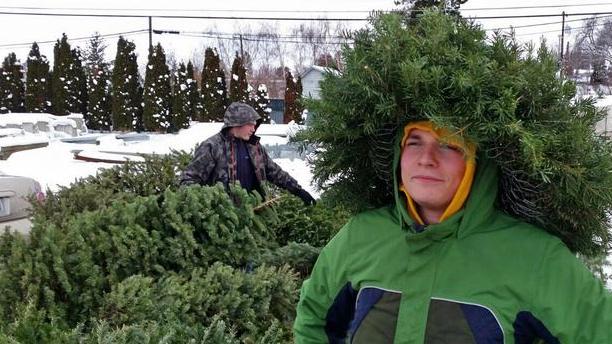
column 181, row 106
column 129, row 252
column 292, row 111
column 261, row 103
column 555, row 170
column 37, row 82
column 126, row 98
column 239, row 86
column 214, row 90
column 156, row 94
column 12, row 88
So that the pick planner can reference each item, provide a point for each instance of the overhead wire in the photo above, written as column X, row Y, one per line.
column 279, row 18
column 285, row 11
column 179, row 16
column 288, row 38
column 116, row 34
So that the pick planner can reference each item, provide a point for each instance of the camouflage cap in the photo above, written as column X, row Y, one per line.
column 238, row 114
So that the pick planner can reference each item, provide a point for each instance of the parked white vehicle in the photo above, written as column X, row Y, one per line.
column 14, row 201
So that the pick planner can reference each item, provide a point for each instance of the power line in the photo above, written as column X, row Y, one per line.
column 59, row 14
column 204, row 35
column 542, row 24
column 585, row 14
column 553, row 31
column 180, row 17
column 181, row 10
column 534, row 7
column 256, row 37
column 285, row 11
column 126, row 33
column 252, row 35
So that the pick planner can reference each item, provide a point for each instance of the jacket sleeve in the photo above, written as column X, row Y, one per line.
column 572, row 303
column 277, row 176
column 324, row 310
column 199, row 169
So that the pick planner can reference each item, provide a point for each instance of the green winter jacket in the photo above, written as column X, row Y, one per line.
column 478, row 277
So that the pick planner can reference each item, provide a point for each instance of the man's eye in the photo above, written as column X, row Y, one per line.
column 412, row 143
column 449, row 147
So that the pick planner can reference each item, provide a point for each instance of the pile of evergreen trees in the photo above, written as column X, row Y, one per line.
column 127, row 256
column 114, row 96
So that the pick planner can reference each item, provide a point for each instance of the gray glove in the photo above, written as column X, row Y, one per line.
column 305, row 197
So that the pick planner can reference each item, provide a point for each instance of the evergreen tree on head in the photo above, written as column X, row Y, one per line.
column 505, row 97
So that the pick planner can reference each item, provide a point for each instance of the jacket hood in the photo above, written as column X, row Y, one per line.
column 238, row 114
column 477, row 209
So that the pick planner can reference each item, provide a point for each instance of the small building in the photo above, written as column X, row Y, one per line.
column 311, row 78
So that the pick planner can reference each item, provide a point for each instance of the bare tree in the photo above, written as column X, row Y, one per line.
column 593, row 47
column 317, row 40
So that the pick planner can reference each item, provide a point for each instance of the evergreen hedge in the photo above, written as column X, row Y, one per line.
column 128, row 256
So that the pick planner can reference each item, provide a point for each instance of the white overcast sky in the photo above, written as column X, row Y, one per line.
column 24, row 29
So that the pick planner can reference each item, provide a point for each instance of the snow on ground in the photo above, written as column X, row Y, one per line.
column 54, row 166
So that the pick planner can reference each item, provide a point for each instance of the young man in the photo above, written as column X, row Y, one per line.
column 443, row 265
column 235, row 155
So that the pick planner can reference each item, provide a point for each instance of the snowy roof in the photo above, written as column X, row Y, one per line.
column 320, row 69
column 17, row 118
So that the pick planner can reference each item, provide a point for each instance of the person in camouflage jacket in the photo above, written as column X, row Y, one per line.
column 235, row 155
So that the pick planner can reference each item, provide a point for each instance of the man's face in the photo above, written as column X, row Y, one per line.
column 431, row 171
column 244, row 131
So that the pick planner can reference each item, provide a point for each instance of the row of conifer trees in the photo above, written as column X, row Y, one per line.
column 113, row 96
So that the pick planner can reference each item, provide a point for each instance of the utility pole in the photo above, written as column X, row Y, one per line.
column 562, row 36
column 241, row 51
column 150, row 33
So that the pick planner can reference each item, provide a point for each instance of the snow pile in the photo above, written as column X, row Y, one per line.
column 54, row 166
column 44, row 123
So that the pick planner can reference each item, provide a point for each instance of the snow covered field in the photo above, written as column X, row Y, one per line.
column 54, row 166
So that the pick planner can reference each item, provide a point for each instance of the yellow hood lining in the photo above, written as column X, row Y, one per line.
column 463, row 190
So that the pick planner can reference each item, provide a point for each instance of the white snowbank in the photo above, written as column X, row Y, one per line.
column 54, row 166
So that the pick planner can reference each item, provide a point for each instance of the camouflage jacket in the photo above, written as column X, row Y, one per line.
column 215, row 161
